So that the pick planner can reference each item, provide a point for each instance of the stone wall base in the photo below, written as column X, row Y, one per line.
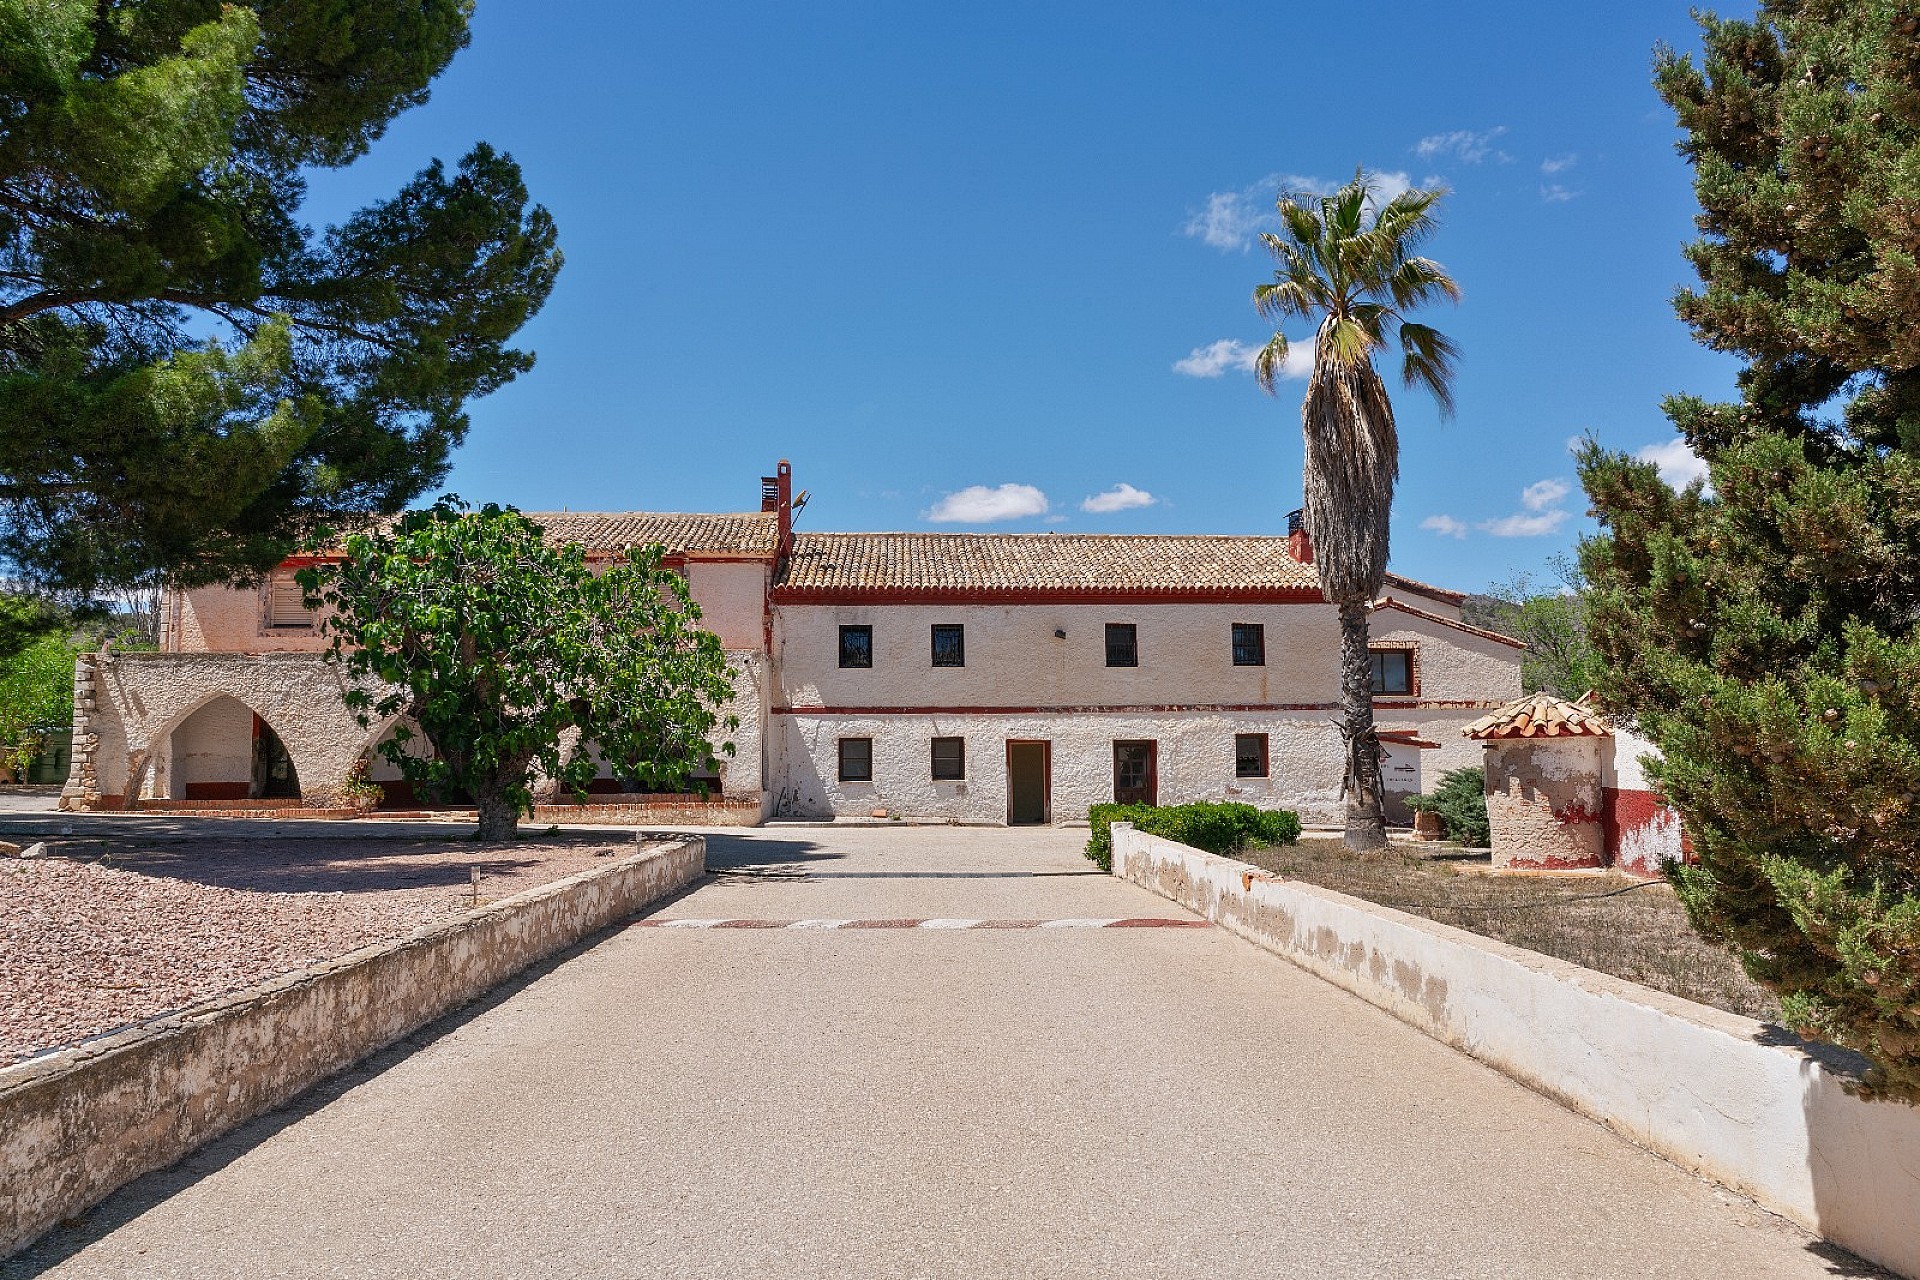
column 82, row 1122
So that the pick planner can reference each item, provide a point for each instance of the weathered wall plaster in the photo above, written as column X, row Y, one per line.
column 82, row 1122
column 1726, row 1097
column 1544, row 802
column 1195, row 757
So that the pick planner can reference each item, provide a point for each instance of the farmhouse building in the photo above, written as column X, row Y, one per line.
column 983, row 678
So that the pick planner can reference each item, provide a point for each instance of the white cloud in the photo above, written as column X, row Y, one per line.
column 1543, row 514
column 1445, row 526
column 1468, row 146
column 1557, row 164
column 1542, row 494
column 1231, row 354
column 1554, row 193
column 1679, row 465
column 1525, row 526
column 1231, row 219
column 977, row 504
column 1122, row 497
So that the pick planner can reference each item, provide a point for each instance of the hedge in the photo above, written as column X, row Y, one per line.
column 1216, row 828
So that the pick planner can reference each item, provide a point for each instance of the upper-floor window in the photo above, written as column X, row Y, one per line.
column 949, row 759
column 1392, row 672
column 949, row 644
column 1249, row 755
column 856, row 646
column 856, row 759
column 1123, row 645
column 1249, row 644
column 286, row 603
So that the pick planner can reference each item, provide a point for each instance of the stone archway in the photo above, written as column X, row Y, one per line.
column 224, row 751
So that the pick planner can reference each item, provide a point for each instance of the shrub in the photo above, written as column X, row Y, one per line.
column 1216, row 828
column 1461, row 802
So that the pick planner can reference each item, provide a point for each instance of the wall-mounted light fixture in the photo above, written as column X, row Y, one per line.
column 1059, row 633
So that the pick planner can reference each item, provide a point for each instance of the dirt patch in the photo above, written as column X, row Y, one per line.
column 1637, row 931
column 108, row 932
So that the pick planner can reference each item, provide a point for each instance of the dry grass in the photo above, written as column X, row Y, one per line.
column 1641, row 935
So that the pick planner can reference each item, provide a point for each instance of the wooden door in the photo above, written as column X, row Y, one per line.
column 1028, row 767
column 1135, row 779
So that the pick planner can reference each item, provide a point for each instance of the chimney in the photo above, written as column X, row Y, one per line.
column 776, row 495
column 1299, row 545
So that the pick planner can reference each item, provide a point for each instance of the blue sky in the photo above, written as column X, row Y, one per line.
column 923, row 249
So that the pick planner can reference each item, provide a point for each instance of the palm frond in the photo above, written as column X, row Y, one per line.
column 1430, row 360
column 1268, row 363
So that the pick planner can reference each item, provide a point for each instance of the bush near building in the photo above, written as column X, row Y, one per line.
column 36, row 698
column 1461, row 802
column 1216, row 828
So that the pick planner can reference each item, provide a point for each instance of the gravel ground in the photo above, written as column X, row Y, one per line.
column 108, row 932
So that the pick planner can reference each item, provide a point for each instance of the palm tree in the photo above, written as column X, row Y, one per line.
column 1349, row 266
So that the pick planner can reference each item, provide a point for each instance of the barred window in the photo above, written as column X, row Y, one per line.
column 1249, row 755
column 1123, row 645
column 949, row 645
column 1249, row 644
column 856, row 646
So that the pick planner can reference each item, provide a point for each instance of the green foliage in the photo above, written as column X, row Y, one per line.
column 470, row 626
column 1461, row 802
column 1763, row 632
column 1552, row 623
column 36, row 696
column 1216, row 828
column 192, row 380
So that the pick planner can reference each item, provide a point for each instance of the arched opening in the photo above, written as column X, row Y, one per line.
column 396, row 791
column 610, row 781
column 224, row 751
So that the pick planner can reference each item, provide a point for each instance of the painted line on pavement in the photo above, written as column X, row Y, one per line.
column 1144, row 922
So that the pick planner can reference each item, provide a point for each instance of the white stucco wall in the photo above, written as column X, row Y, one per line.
column 1014, row 659
column 1195, row 762
column 1621, row 768
column 233, row 620
column 732, row 595
column 1455, row 665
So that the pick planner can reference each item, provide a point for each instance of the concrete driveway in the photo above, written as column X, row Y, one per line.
column 705, row 1100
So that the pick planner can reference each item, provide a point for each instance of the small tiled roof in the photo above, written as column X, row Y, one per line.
column 1043, row 561
column 1540, row 715
column 741, row 533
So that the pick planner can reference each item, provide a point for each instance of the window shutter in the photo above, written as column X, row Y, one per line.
column 285, row 603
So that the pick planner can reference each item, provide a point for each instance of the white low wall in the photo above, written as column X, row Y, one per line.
column 1715, row 1093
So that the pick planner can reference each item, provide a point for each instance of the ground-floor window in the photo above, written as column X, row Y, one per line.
column 856, row 759
column 949, row 759
column 1249, row 755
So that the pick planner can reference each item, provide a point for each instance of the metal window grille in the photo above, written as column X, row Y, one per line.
column 1123, row 646
column 949, row 645
column 856, row 646
column 1249, row 755
column 1249, row 644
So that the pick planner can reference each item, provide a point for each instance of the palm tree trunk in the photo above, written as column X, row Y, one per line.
column 1366, row 816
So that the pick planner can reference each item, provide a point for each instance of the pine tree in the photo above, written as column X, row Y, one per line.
column 191, row 379
column 1765, row 629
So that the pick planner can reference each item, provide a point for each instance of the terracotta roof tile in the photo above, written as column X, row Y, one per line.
column 1042, row 561
column 1540, row 715
column 742, row 533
